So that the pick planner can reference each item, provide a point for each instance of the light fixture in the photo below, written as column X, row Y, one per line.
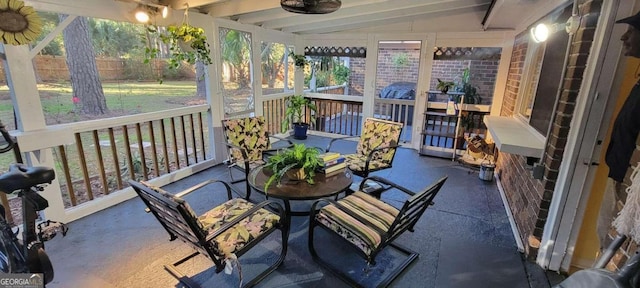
column 142, row 14
column 144, row 11
column 165, row 12
column 541, row 32
column 311, row 6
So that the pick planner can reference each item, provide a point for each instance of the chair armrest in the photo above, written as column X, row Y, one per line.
column 283, row 139
column 248, row 213
column 370, row 155
column 336, row 139
column 205, row 183
column 390, row 184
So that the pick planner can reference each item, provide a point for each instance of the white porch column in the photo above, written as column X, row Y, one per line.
column 30, row 117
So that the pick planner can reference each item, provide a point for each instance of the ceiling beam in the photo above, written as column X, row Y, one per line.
column 372, row 9
column 184, row 4
column 236, row 7
column 386, row 15
column 279, row 13
column 406, row 22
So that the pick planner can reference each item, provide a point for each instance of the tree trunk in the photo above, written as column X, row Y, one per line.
column 81, row 61
column 201, row 88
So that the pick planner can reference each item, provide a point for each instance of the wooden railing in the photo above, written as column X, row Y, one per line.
column 108, row 152
column 397, row 110
column 339, row 114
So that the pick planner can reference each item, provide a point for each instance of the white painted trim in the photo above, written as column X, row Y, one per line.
column 131, row 119
column 512, row 221
column 572, row 189
column 503, row 71
column 511, row 136
column 114, row 198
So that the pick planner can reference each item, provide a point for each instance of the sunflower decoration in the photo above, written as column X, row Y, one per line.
column 20, row 24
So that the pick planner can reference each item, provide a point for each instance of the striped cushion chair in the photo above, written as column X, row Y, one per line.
column 221, row 234
column 376, row 148
column 369, row 224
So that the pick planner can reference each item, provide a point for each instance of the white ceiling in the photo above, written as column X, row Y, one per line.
column 374, row 15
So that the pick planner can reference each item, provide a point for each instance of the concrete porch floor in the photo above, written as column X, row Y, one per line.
column 464, row 240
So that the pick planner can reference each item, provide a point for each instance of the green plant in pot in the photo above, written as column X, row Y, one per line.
column 470, row 91
column 299, row 60
column 297, row 163
column 296, row 106
column 186, row 44
column 444, row 86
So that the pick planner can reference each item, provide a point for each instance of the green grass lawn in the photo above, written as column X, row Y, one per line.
column 123, row 98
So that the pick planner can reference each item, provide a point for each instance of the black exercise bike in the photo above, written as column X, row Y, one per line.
column 26, row 255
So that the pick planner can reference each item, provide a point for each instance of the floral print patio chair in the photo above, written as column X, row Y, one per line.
column 248, row 142
column 221, row 234
column 376, row 148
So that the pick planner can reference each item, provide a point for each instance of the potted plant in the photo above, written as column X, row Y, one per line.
column 186, row 43
column 444, row 86
column 296, row 105
column 470, row 92
column 296, row 163
column 299, row 60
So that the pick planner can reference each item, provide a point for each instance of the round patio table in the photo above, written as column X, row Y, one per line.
column 290, row 190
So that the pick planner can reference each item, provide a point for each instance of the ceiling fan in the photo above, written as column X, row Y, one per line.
column 311, row 6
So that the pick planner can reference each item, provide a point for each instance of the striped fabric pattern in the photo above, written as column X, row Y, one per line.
column 366, row 238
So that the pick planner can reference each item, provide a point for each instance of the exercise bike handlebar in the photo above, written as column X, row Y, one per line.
column 22, row 177
column 7, row 138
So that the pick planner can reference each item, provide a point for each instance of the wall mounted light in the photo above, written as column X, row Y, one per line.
column 541, row 32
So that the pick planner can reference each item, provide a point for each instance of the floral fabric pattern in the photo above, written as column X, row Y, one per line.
column 241, row 234
column 248, row 133
column 366, row 238
column 375, row 134
column 234, row 238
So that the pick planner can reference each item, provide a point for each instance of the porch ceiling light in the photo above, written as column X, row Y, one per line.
column 144, row 12
column 311, row 6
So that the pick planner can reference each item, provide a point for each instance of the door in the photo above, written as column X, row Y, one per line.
column 397, row 83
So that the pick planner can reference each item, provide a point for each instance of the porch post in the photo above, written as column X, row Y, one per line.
column 214, row 91
column 30, row 117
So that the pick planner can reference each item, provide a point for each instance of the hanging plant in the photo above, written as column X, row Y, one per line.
column 299, row 60
column 186, row 44
column 20, row 24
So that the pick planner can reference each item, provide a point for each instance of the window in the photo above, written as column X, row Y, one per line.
column 542, row 77
column 235, row 48
column 277, row 68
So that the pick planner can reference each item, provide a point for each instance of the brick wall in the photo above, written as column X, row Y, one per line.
column 483, row 75
column 528, row 198
column 388, row 72
column 356, row 78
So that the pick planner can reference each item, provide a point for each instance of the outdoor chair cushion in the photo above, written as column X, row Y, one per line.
column 356, row 162
column 364, row 205
column 378, row 134
column 235, row 238
column 250, row 134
